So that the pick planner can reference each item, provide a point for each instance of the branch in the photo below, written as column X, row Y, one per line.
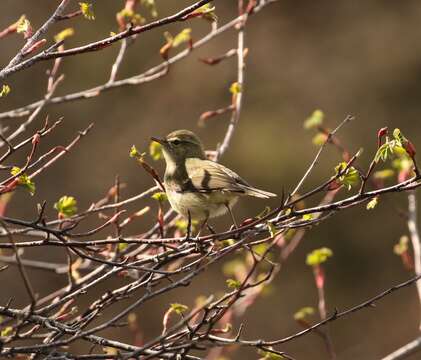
column 15, row 66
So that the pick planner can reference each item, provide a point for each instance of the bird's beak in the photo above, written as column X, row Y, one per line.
column 158, row 140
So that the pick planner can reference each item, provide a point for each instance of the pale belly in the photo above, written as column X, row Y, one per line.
column 201, row 206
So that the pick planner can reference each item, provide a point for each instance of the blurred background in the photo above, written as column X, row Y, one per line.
column 343, row 57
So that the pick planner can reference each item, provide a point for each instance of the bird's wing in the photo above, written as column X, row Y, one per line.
column 207, row 176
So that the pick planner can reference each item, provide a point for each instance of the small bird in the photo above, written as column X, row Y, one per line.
column 198, row 188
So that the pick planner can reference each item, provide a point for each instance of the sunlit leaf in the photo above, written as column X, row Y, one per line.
column 372, row 203
column 178, row 308
column 5, row 90
column 402, row 246
column 66, row 206
column 87, row 10
column 160, row 196
column 64, row 34
column 314, row 120
column 318, row 256
column 303, row 313
column 24, row 180
column 155, row 150
column 233, row 284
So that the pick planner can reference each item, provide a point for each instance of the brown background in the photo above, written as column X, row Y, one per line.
column 344, row 57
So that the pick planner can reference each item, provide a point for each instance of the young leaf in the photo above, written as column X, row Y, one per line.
column 227, row 242
column 402, row 246
column 314, row 120
column 182, row 37
column 122, row 246
column 87, row 10
column 349, row 177
column 307, row 217
column 319, row 139
column 24, row 27
column 64, row 34
column 267, row 355
column 318, row 256
column 235, row 88
column 5, row 90
column 207, row 12
column 24, row 180
column 383, row 174
column 386, row 150
column 233, row 284
column 126, row 16
column 6, row 331
column 181, row 224
column 155, row 150
column 134, row 153
column 178, row 308
column 303, row 313
column 160, row 196
column 372, row 203
column 66, row 206
column 151, row 6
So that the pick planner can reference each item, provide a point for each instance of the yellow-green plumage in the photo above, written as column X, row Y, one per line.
column 197, row 185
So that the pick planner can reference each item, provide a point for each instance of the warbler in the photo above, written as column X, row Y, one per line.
column 198, row 188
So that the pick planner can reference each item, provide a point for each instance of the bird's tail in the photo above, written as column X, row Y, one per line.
column 251, row 191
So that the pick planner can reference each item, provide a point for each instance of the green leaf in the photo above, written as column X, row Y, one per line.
column 267, row 355
column 402, row 246
column 181, row 224
column 403, row 163
column 235, row 88
column 66, row 206
column 87, row 10
column 24, row 26
column 122, row 246
column 24, row 180
column 178, row 308
column 160, row 196
column 349, row 177
column 5, row 90
column 207, row 12
column 227, row 242
column 233, row 284
column 383, row 174
column 230, row 268
column 304, row 313
column 318, row 256
column 307, row 217
column 134, row 153
column 151, row 6
column 260, row 249
column 314, row 120
column 130, row 16
column 6, row 331
column 372, row 203
column 182, row 37
column 389, row 148
column 319, row 139
column 155, row 150
column 64, row 34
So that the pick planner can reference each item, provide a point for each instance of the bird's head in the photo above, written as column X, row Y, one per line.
column 180, row 145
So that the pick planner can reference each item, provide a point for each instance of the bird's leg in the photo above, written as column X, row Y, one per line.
column 188, row 233
column 204, row 224
column 232, row 215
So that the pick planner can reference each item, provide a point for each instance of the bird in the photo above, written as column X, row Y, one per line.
column 198, row 188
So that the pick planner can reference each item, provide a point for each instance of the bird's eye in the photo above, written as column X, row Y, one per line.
column 176, row 142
